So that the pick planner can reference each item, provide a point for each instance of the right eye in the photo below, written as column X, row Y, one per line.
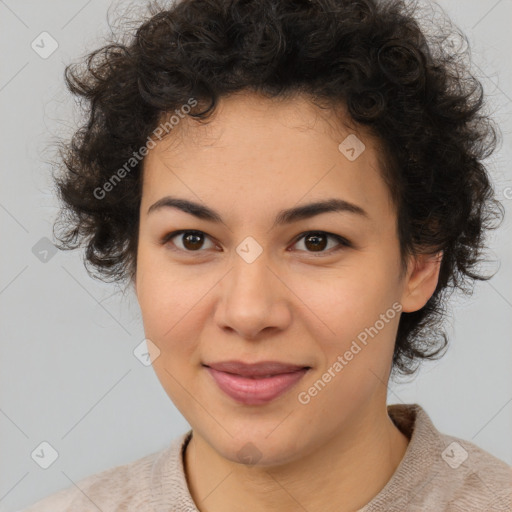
column 191, row 240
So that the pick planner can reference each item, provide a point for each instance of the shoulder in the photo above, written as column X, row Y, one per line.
column 124, row 485
column 441, row 470
column 474, row 478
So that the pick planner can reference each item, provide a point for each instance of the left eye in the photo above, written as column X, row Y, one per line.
column 318, row 241
column 315, row 240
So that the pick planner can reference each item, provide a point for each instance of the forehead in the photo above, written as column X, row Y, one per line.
column 248, row 113
column 259, row 152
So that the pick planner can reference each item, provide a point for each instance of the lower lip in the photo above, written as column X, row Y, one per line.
column 255, row 391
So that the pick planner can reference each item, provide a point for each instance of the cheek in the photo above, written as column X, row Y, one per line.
column 172, row 303
column 169, row 310
column 360, row 307
column 350, row 299
column 356, row 360
column 160, row 296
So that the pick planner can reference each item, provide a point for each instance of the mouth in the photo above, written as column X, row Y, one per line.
column 256, row 383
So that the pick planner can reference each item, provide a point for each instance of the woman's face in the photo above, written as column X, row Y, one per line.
column 258, row 285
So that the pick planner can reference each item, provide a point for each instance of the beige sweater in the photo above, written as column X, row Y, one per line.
column 437, row 473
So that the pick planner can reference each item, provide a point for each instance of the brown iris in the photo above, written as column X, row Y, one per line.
column 193, row 241
column 316, row 245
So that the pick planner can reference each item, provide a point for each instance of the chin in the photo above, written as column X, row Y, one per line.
column 258, row 448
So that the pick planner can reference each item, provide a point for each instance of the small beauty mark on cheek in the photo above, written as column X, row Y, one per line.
column 352, row 147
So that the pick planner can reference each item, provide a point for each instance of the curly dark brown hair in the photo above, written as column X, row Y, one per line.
column 411, row 88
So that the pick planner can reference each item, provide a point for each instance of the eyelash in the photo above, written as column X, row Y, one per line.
column 344, row 243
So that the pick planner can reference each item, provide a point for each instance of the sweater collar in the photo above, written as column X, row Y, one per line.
column 169, row 488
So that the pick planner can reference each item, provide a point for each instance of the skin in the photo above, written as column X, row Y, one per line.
column 292, row 304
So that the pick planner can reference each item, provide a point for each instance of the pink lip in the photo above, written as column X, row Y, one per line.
column 254, row 384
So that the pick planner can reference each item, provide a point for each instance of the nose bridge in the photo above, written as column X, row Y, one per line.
column 250, row 262
column 249, row 281
column 252, row 298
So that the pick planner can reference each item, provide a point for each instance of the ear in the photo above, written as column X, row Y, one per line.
column 420, row 281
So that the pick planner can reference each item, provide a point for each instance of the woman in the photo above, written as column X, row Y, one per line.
column 292, row 189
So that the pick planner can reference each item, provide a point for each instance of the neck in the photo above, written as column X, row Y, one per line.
column 349, row 468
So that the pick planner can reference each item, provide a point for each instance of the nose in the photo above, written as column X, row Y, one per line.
column 253, row 299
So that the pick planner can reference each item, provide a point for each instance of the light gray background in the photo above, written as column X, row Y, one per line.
column 68, row 373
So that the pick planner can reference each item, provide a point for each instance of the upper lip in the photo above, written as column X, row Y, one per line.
column 260, row 369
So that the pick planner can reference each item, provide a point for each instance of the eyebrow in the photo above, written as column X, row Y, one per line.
column 283, row 217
